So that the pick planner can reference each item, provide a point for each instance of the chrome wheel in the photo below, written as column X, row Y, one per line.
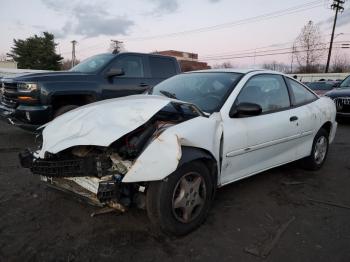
column 189, row 197
column 320, row 149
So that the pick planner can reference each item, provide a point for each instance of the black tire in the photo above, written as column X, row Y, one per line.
column 64, row 109
column 312, row 162
column 160, row 200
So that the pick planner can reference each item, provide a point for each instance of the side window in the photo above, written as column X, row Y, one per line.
column 162, row 67
column 268, row 91
column 301, row 94
column 131, row 65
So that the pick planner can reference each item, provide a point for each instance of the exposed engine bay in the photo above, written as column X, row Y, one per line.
column 96, row 172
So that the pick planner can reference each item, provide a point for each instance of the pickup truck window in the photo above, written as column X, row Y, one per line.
column 93, row 64
column 131, row 65
column 162, row 67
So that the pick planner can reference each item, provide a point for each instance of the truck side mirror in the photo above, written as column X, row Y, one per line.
column 114, row 72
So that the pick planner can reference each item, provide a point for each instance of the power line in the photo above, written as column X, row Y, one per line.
column 266, row 46
column 269, row 54
column 281, row 12
column 263, row 51
column 275, row 14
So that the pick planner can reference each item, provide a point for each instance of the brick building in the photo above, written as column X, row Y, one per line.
column 187, row 61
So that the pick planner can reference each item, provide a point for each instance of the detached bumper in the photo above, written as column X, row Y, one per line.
column 80, row 176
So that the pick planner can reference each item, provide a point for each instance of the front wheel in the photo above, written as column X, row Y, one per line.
column 318, row 152
column 181, row 203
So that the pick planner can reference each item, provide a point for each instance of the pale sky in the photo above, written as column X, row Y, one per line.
column 215, row 29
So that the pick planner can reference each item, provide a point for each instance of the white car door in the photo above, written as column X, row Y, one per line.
column 302, row 100
column 255, row 143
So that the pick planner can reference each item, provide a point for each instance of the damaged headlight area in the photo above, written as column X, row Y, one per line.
column 96, row 172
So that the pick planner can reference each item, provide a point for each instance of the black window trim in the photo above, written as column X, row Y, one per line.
column 293, row 103
column 271, row 111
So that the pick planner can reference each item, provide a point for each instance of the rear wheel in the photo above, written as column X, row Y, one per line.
column 64, row 109
column 181, row 203
column 319, row 151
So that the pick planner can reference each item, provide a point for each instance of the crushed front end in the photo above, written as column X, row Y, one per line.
column 92, row 173
column 96, row 172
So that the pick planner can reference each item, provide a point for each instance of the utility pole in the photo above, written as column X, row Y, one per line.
column 338, row 6
column 116, row 46
column 291, row 63
column 73, row 52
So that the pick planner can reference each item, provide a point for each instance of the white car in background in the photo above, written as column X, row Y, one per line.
column 169, row 150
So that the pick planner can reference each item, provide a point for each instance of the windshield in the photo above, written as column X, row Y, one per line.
column 206, row 90
column 345, row 83
column 93, row 64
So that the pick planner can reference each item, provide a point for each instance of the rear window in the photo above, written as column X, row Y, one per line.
column 162, row 67
column 301, row 94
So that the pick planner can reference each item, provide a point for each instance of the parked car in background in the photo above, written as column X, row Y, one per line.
column 32, row 100
column 168, row 151
column 341, row 97
column 322, row 87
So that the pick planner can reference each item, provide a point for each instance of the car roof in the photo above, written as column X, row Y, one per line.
column 235, row 70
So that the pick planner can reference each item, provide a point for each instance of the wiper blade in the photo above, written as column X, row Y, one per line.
column 168, row 94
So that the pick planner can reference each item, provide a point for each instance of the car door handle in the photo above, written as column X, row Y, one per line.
column 293, row 118
column 143, row 84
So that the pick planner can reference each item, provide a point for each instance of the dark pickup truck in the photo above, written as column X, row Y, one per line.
column 34, row 99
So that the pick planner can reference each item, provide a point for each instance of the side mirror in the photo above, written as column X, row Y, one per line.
column 114, row 72
column 245, row 110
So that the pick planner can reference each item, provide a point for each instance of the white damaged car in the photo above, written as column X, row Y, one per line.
column 169, row 150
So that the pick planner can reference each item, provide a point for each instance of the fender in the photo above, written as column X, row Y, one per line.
column 190, row 154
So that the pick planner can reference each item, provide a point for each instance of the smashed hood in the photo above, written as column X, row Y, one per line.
column 100, row 123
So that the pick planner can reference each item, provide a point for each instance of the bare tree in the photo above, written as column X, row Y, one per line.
column 3, row 57
column 275, row 66
column 309, row 48
column 224, row 65
column 341, row 63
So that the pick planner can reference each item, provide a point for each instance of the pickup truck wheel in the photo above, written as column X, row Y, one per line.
column 64, row 109
column 180, row 203
column 318, row 152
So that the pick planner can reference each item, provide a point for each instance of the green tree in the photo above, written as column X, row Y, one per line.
column 36, row 52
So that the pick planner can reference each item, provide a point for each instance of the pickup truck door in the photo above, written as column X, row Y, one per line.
column 256, row 143
column 132, row 82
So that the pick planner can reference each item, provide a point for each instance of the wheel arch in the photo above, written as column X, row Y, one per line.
column 328, row 127
column 61, row 99
column 190, row 154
